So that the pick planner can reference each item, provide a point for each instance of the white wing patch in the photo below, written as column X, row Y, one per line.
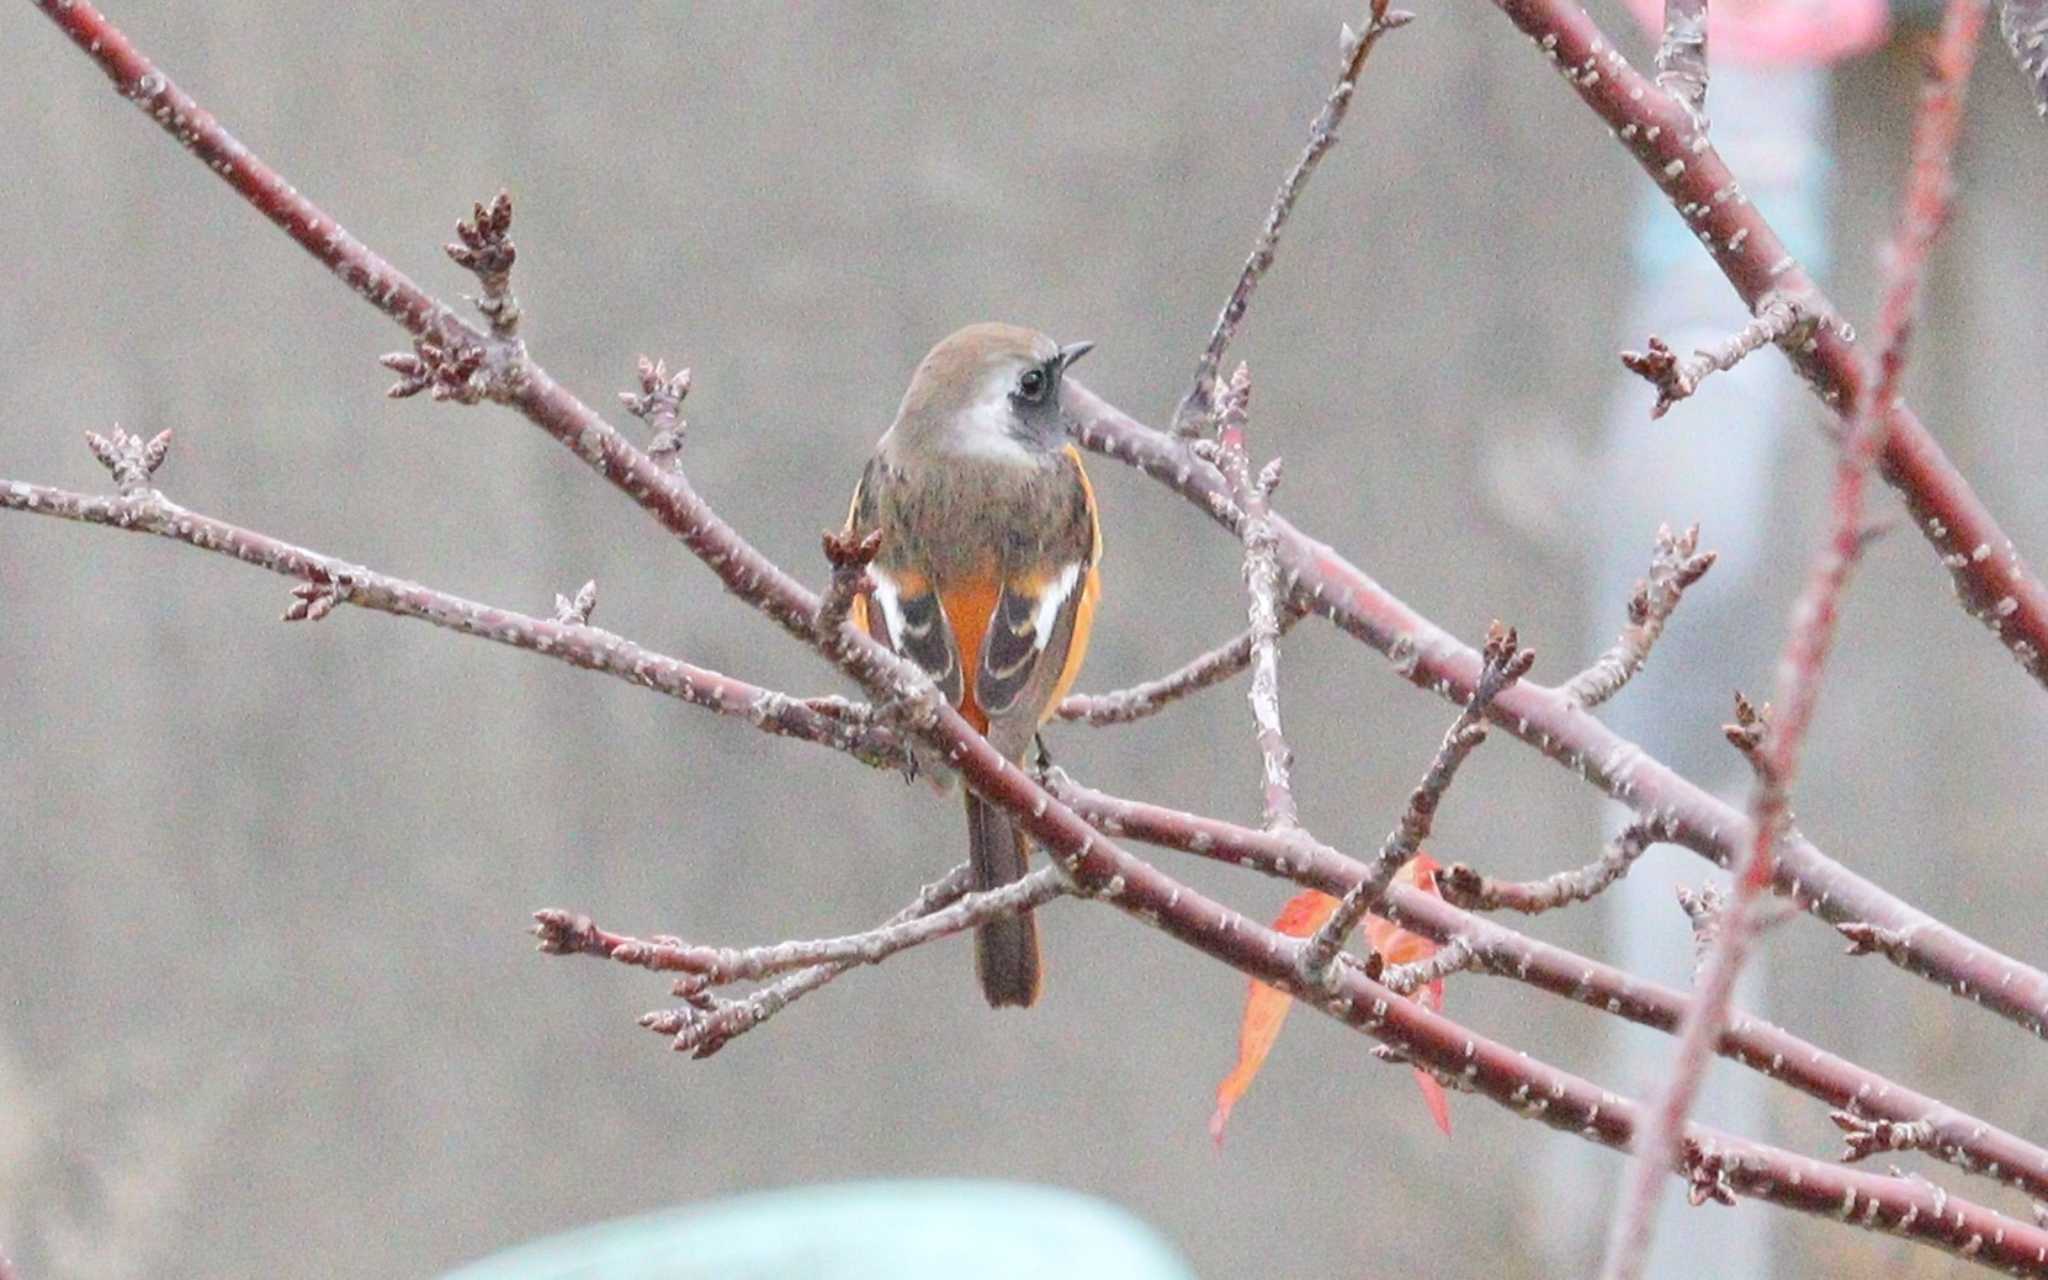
column 1048, row 610
column 890, row 598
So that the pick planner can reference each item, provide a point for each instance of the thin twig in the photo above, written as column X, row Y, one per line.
column 1262, row 592
column 1195, row 408
column 1676, row 564
column 563, row 933
column 1964, row 1140
column 1431, row 658
column 1152, row 696
column 1467, row 888
column 1777, row 320
column 1505, row 662
column 1993, row 582
column 1925, row 208
column 703, row 1031
column 1456, row 956
column 329, row 582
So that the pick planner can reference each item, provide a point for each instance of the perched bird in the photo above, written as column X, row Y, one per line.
column 987, row 572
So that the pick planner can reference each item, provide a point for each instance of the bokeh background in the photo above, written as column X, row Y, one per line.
column 267, row 1005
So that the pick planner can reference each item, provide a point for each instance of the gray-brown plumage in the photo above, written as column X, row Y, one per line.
column 987, row 572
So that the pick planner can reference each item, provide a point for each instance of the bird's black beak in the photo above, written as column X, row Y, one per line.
column 1074, row 351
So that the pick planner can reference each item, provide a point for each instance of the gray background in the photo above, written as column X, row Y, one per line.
column 266, row 1004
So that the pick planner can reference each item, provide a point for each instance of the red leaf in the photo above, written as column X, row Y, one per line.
column 1266, row 1008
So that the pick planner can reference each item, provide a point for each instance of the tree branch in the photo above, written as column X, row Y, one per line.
column 330, row 581
column 1467, row 888
column 1506, row 662
column 1963, row 1140
column 704, row 1026
column 1811, row 635
column 563, row 933
column 1994, row 585
column 1676, row 564
column 1262, row 592
column 1152, row 696
column 1191, row 418
column 1427, row 656
column 1777, row 320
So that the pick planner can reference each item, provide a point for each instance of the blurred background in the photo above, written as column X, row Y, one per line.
column 268, row 1004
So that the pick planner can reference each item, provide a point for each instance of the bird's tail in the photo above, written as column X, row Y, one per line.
column 1006, row 950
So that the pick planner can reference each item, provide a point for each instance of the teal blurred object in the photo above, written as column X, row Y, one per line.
column 857, row 1231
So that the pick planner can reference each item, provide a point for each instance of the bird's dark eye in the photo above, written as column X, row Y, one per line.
column 1031, row 386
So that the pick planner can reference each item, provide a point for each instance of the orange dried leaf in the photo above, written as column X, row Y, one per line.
column 1265, row 1009
column 1398, row 946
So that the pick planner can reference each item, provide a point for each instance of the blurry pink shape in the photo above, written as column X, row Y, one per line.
column 1782, row 32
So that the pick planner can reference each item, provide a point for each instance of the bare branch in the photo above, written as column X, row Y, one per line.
column 703, row 1027
column 1506, row 662
column 562, row 933
column 1811, row 635
column 1192, row 416
column 1992, row 582
column 327, row 582
column 1966, row 1141
column 1263, row 591
column 1431, row 658
column 1676, row 564
column 1778, row 320
column 1152, row 696
column 1467, row 888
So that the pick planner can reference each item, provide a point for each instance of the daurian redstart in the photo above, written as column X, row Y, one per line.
column 987, row 572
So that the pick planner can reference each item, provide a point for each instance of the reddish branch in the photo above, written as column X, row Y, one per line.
column 330, row 582
column 1152, row 696
column 1546, row 718
column 1325, row 582
column 1506, row 662
column 1812, row 633
column 1994, row 584
column 499, row 369
column 1961, row 1139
